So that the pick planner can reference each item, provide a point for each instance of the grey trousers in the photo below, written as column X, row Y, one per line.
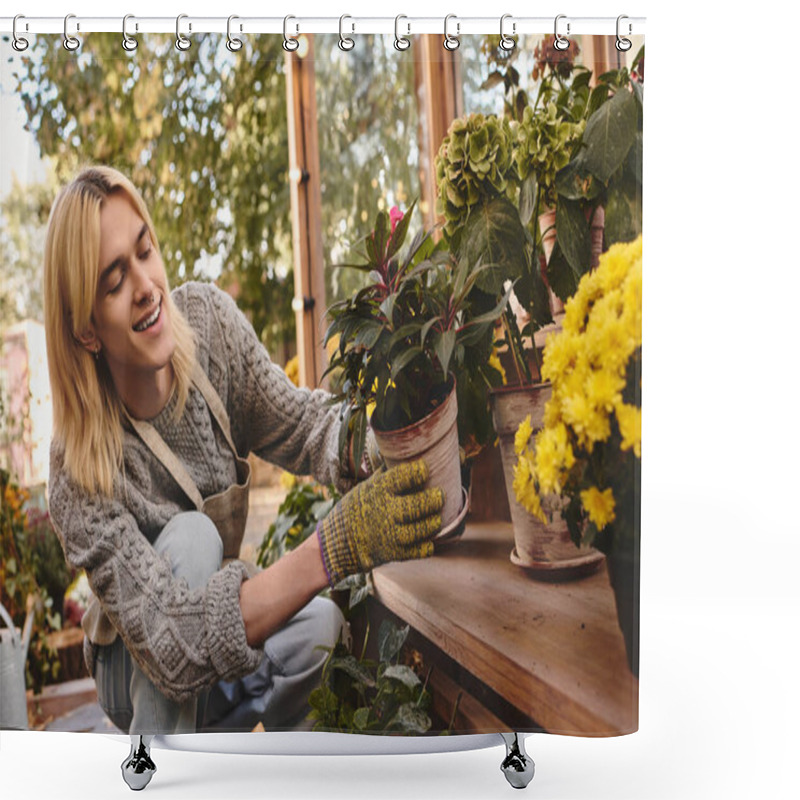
column 276, row 694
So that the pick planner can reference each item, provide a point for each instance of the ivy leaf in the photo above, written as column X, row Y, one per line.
column 410, row 718
column 390, row 640
column 361, row 718
column 406, row 675
column 355, row 669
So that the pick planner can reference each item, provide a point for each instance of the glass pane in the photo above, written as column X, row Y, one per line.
column 368, row 144
column 481, row 56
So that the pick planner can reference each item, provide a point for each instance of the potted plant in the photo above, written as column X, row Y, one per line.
column 587, row 457
column 402, row 343
column 487, row 220
column 496, row 180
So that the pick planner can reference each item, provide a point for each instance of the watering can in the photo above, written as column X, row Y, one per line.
column 13, row 655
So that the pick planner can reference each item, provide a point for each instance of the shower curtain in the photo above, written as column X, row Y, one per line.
column 493, row 193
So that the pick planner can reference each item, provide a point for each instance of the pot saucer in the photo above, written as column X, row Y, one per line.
column 456, row 527
column 563, row 570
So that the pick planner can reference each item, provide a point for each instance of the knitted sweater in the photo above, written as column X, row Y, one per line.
column 186, row 640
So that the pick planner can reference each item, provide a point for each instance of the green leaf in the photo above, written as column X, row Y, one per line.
column 609, row 134
column 493, row 80
column 527, row 198
column 361, row 718
column 573, row 235
column 405, row 357
column 493, row 234
column 562, row 278
column 410, row 719
column 443, row 344
column 390, row 640
column 359, row 438
column 406, row 675
column 354, row 668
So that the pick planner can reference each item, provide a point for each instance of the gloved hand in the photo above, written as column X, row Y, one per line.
column 388, row 517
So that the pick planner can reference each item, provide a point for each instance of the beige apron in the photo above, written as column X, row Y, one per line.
column 227, row 509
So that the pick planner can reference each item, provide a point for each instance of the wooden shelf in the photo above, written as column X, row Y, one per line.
column 553, row 651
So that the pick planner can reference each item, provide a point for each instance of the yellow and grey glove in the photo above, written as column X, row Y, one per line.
column 388, row 517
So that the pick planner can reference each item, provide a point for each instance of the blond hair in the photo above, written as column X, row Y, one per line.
column 87, row 411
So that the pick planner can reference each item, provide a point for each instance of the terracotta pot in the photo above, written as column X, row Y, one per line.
column 545, row 550
column 434, row 439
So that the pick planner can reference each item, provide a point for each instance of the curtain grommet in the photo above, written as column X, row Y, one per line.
column 234, row 43
column 345, row 42
column 561, row 42
column 181, row 42
column 19, row 43
column 401, row 43
column 290, row 44
column 450, row 42
column 128, row 41
column 71, row 43
column 622, row 44
column 506, row 42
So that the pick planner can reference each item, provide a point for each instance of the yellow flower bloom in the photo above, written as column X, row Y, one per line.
column 525, row 489
column 599, row 506
column 629, row 419
column 292, row 369
column 553, row 457
column 604, row 389
column 523, row 435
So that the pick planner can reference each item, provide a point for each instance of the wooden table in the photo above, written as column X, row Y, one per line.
column 552, row 652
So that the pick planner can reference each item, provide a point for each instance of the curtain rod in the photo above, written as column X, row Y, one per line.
column 456, row 26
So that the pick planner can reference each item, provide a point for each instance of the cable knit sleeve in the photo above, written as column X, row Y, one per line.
column 295, row 428
column 183, row 640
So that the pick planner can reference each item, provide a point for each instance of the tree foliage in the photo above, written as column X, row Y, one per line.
column 202, row 134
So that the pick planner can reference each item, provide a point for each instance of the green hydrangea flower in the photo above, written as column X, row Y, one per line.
column 472, row 166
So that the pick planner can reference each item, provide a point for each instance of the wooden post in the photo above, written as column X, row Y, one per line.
column 440, row 101
column 306, row 203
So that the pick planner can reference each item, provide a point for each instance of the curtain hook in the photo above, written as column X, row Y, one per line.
column 401, row 42
column 451, row 42
column 181, row 42
column 71, row 43
column 290, row 44
column 623, row 44
column 345, row 43
column 561, row 43
column 18, row 43
column 506, row 42
column 234, row 43
column 128, row 42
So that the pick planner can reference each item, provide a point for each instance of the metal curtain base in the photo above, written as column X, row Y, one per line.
column 518, row 766
column 138, row 768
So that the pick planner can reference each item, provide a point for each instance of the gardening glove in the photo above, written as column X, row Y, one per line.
column 388, row 517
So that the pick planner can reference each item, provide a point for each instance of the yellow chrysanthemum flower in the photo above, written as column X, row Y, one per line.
column 587, row 364
column 525, row 490
column 629, row 419
column 523, row 435
column 292, row 370
column 553, row 457
column 599, row 506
